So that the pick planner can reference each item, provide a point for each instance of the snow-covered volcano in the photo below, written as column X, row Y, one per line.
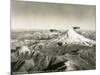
column 67, row 41
column 72, row 37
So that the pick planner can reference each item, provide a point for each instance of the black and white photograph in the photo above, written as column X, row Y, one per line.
column 52, row 37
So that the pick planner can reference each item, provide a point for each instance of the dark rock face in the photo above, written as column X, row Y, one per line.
column 38, row 62
column 60, row 43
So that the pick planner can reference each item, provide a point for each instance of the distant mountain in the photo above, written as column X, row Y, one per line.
column 72, row 37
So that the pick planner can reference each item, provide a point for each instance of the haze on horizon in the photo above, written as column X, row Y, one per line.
column 35, row 15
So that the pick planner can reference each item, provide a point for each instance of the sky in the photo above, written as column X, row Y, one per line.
column 27, row 15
